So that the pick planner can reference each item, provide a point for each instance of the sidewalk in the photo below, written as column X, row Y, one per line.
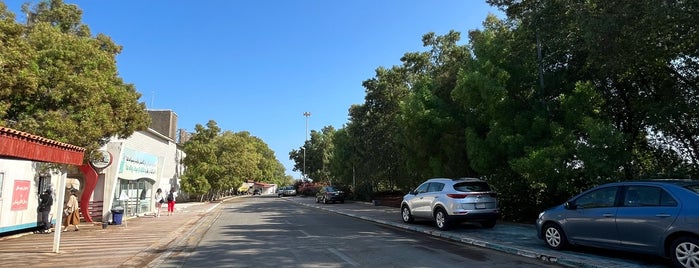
column 134, row 243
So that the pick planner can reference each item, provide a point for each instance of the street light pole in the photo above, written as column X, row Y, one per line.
column 307, row 115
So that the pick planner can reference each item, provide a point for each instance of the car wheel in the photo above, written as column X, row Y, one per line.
column 325, row 201
column 342, row 201
column 488, row 224
column 442, row 219
column 554, row 236
column 685, row 252
column 406, row 215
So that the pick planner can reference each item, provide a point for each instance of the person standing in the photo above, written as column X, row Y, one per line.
column 159, row 200
column 71, row 211
column 171, row 196
column 45, row 203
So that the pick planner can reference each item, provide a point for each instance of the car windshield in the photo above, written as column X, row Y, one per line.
column 472, row 186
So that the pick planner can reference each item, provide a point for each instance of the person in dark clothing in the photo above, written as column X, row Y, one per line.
column 45, row 203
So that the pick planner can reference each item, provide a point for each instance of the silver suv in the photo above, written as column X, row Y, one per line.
column 452, row 201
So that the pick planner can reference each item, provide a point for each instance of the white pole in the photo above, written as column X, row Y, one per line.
column 58, row 227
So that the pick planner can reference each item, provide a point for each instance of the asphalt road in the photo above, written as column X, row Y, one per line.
column 265, row 232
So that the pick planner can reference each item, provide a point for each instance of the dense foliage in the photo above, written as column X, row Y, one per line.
column 219, row 162
column 556, row 98
column 59, row 81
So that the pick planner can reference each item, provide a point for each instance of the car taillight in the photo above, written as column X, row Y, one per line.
column 457, row 195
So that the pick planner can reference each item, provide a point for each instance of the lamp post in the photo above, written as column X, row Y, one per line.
column 307, row 115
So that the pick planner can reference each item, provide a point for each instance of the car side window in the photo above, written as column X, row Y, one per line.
column 647, row 196
column 436, row 187
column 599, row 198
column 666, row 200
column 422, row 188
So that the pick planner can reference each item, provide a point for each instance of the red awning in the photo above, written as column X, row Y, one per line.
column 18, row 144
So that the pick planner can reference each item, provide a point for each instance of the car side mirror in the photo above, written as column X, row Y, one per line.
column 412, row 192
column 570, row 205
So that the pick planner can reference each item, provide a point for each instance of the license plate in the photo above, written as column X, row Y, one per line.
column 480, row 205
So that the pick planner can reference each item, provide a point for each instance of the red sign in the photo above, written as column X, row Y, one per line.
column 20, row 195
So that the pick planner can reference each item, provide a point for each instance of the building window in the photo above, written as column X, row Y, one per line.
column 134, row 196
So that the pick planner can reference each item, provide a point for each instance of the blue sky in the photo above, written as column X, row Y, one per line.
column 258, row 65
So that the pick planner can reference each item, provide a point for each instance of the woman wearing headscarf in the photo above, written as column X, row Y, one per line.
column 71, row 211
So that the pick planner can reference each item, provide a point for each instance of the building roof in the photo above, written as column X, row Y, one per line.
column 22, row 145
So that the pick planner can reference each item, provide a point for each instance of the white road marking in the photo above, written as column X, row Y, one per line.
column 344, row 257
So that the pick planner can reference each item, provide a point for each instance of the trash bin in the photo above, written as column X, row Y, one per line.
column 117, row 215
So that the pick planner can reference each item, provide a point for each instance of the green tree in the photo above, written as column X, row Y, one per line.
column 433, row 124
column 641, row 57
column 218, row 162
column 60, row 82
column 317, row 156
column 201, row 159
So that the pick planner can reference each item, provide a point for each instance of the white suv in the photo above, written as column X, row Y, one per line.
column 452, row 201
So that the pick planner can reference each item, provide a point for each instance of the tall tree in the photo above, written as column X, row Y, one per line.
column 220, row 161
column 317, row 156
column 60, row 82
column 201, row 160
column 641, row 57
column 433, row 123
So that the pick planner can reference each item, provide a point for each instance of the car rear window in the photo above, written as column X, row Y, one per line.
column 472, row 186
column 693, row 187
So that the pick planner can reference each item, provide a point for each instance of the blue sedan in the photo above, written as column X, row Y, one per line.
column 659, row 217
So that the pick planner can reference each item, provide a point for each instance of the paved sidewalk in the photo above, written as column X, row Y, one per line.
column 134, row 243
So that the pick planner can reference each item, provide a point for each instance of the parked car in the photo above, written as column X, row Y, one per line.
column 286, row 191
column 451, row 201
column 654, row 217
column 327, row 194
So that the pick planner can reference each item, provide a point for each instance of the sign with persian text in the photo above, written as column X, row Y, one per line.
column 135, row 165
column 20, row 195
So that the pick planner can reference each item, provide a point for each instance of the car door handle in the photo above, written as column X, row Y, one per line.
column 607, row 215
column 662, row 215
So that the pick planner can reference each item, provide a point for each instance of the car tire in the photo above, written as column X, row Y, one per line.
column 342, row 201
column 685, row 251
column 554, row 236
column 325, row 201
column 406, row 215
column 441, row 218
column 488, row 224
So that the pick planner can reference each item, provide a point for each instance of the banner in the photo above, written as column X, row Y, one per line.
column 20, row 195
column 135, row 165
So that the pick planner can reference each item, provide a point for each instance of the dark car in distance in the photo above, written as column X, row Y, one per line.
column 659, row 217
column 327, row 194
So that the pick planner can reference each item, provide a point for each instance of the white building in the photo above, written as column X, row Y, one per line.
column 137, row 166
